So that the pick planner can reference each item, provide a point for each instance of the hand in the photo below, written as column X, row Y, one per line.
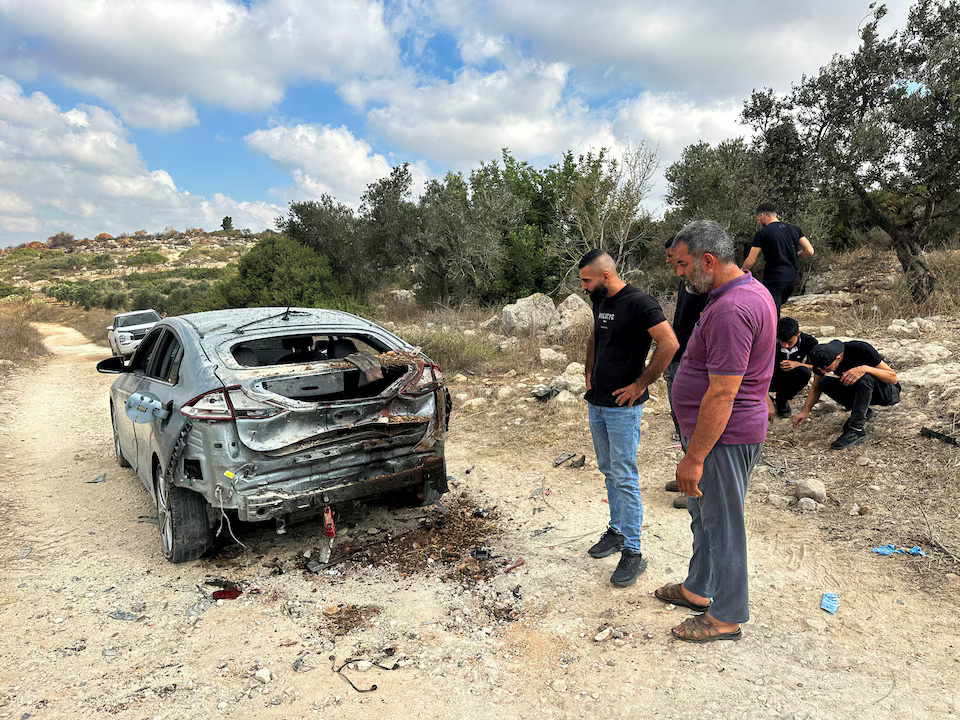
column 788, row 365
column 689, row 473
column 771, row 411
column 588, row 382
column 799, row 418
column 853, row 375
column 630, row 394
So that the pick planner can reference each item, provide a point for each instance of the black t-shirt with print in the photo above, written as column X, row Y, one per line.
column 857, row 353
column 622, row 340
column 799, row 352
column 689, row 308
column 779, row 243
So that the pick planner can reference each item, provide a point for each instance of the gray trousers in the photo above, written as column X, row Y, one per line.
column 718, row 568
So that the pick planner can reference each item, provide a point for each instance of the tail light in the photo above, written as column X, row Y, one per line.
column 228, row 404
column 427, row 380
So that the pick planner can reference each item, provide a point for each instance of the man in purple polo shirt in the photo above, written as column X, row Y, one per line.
column 720, row 397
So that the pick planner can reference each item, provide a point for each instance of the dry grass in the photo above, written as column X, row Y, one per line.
column 92, row 324
column 19, row 341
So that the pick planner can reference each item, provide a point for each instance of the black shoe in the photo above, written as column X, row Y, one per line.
column 851, row 436
column 671, row 486
column 680, row 502
column 609, row 543
column 783, row 411
column 870, row 414
column 631, row 564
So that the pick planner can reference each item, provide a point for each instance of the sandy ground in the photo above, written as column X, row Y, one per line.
column 465, row 638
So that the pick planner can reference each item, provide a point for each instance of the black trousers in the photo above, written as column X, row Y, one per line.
column 780, row 292
column 787, row 384
column 861, row 395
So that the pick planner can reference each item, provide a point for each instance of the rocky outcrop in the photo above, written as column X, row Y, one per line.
column 528, row 315
column 573, row 317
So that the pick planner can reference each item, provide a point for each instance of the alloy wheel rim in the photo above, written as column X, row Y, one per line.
column 164, row 519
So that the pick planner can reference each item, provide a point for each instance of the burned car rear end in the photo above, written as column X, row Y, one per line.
column 289, row 412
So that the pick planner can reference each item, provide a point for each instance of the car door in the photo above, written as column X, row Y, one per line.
column 123, row 389
column 160, row 386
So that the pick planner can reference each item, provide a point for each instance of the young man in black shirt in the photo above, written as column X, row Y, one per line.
column 626, row 320
column 792, row 371
column 861, row 379
column 782, row 245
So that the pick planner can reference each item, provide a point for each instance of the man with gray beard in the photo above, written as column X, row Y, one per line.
column 720, row 398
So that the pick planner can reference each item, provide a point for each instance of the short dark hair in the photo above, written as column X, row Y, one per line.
column 669, row 243
column 787, row 328
column 766, row 207
column 822, row 356
column 590, row 257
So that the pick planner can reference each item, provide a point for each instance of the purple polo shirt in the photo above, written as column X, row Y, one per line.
column 736, row 335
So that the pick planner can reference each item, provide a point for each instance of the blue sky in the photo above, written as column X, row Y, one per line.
column 155, row 113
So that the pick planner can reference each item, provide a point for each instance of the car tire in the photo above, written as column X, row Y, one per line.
column 121, row 460
column 185, row 534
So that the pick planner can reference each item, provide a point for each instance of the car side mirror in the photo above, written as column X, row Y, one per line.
column 109, row 328
column 112, row 366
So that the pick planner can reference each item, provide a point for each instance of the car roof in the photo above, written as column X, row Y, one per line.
column 226, row 322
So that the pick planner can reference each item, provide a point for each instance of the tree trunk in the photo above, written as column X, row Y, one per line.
column 919, row 277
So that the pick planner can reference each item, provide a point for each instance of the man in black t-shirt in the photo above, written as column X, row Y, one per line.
column 626, row 320
column 792, row 370
column 861, row 379
column 782, row 246
column 685, row 317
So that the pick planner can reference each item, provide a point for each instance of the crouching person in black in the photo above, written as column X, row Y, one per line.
column 861, row 379
column 793, row 370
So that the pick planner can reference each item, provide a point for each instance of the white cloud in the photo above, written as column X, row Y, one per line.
column 147, row 58
column 326, row 160
column 76, row 170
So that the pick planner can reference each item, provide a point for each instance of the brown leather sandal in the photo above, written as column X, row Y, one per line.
column 673, row 595
column 699, row 630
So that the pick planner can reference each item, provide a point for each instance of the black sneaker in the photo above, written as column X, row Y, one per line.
column 631, row 564
column 680, row 502
column 783, row 411
column 671, row 486
column 609, row 543
column 851, row 436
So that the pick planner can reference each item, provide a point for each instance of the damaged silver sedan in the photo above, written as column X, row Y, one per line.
column 273, row 414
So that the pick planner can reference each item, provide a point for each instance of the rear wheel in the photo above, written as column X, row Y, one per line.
column 182, row 516
column 121, row 460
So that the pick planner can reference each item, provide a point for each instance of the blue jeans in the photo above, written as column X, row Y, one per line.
column 616, row 437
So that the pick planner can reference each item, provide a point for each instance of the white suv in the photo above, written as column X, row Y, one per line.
column 128, row 330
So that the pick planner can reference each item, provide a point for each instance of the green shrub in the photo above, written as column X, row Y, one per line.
column 452, row 351
column 145, row 257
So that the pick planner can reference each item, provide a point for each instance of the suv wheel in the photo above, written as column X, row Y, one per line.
column 182, row 516
column 121, row 460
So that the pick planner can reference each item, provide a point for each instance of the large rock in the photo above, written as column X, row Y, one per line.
column 574, row 317
column 572, row 380
column 549, row 356
column 530, row 314
column 831, row 300
column 403, row 297
column 901, row 354
column 812, row 488
column 930, row 377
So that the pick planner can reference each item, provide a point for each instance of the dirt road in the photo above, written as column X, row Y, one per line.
column 466, row 637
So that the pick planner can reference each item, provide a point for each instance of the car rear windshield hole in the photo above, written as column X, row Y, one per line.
column 330, row 387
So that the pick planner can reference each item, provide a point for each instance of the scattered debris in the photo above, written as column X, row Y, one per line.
column 123, row 615
column 299, row 665
column 562, row 458
column 830, row 602
column 545, row 393
column 892, row 550
column 481, row 553
column 102, row 477
column 519, row 562
column 355, row 664
column 933, row 434
column 469, row 470
column 480, row 512
column 227, row 594
column 263, row 675
column 149, row 519
column 578, row 463
column 25, row 552
column 541, row 531
column 603, row 635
